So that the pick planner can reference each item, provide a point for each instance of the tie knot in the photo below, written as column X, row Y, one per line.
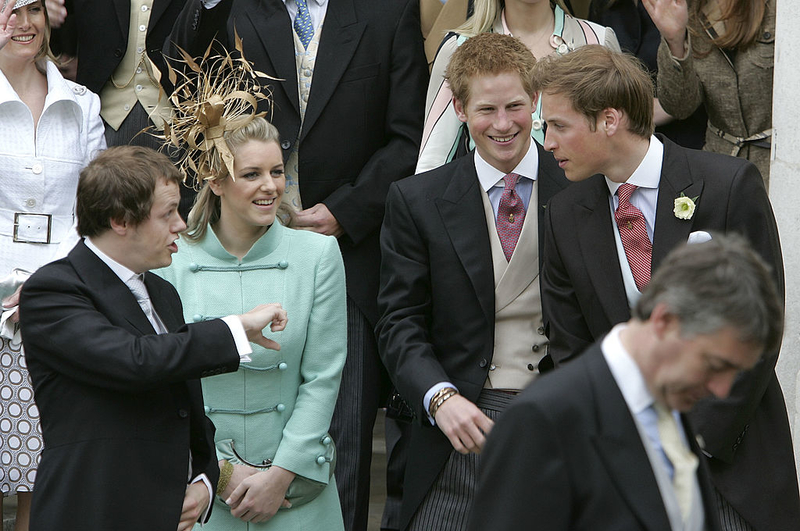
column 137, row 287
column 511, row 180
column 625, row 191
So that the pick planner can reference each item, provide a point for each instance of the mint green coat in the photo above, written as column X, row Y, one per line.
column 279, row 405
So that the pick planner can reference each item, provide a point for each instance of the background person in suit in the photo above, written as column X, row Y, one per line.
column 596, row 445
column 606, row 234
column 127, row 445
column 460, row 331
column 348, row 100
column 117, row 47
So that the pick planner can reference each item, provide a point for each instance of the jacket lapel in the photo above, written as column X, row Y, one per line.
column 161, row 304
column 159, row 6
column 676, row 178
column 549, row 182
column 341, row 33
column 463, row 216
column 619, row 446
column 271, row 23
column 123, row 9
column 599, row 250
column 102, row 280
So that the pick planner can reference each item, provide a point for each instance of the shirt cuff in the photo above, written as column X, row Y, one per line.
column 204, row 517
column 211, row 4
column 426, row 400
column 239, row 337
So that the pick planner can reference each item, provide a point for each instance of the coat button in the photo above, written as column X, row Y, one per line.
column 540, row 330
column 483, row 363
column 280, row 408
column 321, row 460
column 193, row 267
column 326, row 440
column 207, row 409
column 196, row 318
column 286, row 144
column 535, row 348
column 767, row 35
column 282, row 366
column 182, row 413
column 283, row 264
column 117, row 53
column 531, row 367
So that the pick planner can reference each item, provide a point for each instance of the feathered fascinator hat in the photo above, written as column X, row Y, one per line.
column 217, row 94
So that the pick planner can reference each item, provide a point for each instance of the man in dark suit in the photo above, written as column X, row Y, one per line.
column 117, row 47
column 348, row 101
column 460, row 331
column 127, row 445
column 606, row 234
column 596, row 445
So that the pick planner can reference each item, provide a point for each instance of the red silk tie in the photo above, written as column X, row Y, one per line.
column 510, row 216
column 633, row 233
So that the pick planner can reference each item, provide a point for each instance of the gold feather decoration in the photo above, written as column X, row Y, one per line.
column 214, row 94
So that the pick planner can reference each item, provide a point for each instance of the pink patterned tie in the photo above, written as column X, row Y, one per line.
column 510, row 216
column 633, row 233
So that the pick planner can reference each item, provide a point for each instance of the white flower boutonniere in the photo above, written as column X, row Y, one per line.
column 684, row 206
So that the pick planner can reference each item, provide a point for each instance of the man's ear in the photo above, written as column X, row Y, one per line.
column 460, row 111
column 119, row 226
column 662, row 319
column 610, row 121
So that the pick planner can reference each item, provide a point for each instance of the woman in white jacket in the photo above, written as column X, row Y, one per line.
column 50, row 129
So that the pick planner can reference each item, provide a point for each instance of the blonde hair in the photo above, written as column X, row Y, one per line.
column 206, row 209
column 484, row 14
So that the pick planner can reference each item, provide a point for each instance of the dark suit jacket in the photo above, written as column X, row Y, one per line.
column 437, row 297
column 583, row 297
column 121, row 407
column 566, row 455
column 364, row 117
column 102, row 36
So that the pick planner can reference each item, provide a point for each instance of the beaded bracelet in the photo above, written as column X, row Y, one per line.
column 440, row 398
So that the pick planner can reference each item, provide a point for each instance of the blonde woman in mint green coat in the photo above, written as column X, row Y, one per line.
column 276, row 408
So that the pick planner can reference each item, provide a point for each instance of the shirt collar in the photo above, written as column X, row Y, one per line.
column 648, row 173
column 489, row 176
column 120, row 270
column 626, row 373
column 58, row 89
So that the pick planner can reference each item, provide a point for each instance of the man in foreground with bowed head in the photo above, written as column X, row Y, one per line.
column 602, row 443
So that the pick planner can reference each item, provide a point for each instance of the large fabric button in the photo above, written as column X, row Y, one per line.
column 283, row 264
column 197, row 318
column 193, row 267
column 321, row 460
column 282, row 366
column 280, row 408
column 326, row 440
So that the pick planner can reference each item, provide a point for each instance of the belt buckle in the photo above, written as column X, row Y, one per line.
column 30, row 228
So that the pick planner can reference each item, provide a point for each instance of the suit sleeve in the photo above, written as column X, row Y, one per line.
column 524, row 476
column 404, row 301
column 359, row 206
column 64, row 330
column 563, row 318
column 749, row 214
column 320, row 370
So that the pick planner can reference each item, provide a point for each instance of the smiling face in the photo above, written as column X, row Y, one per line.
column 580, row 151
column 29, row 35
column 695, row 367
column 150, row 244
column 498, row 115
column 249, row 204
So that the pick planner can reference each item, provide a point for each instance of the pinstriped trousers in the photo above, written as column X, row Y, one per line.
column 354, row 418
column 729, row 518
column 448, row 504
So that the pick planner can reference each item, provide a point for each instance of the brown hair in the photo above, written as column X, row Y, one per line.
column 595, row 78
column 206, row 209
column 489, row 54
column 743, row 19
column 119, row 184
